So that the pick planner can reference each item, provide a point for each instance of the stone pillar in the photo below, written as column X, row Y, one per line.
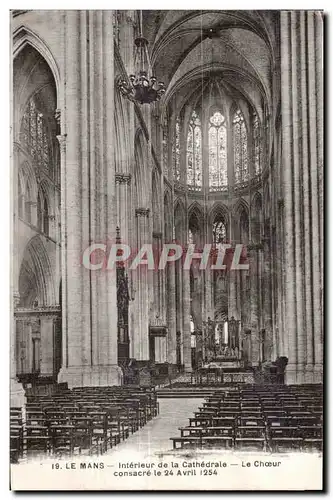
column 297, row 181
column 47, row 345
column 302, row 127
column 187, row 359
column 232, row 306
column 315, row 106
column 171, row 298
column 123, row 183
column 141, row 334
column 89, row 329
column 289, row 207
column 17, row 395
column 308, row 376
column 253, row 339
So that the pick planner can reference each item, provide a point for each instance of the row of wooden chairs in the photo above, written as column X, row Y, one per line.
column 87, row 420
column 277, row 420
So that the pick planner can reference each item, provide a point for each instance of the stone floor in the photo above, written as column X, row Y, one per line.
column 154, row 437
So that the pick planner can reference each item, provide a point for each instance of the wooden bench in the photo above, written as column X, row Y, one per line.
column 191, row 440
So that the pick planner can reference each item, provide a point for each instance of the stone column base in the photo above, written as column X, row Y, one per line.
column 318, row 374
column 300, row 374
column 188, row 367
column 291, row 374
column 17, row 394
column 89, row 376
column 308, row 374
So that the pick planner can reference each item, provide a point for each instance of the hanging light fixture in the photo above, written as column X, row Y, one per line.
column 141, row 86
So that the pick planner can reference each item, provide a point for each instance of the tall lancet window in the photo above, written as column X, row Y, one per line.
column 257, row 145
column 194, row 153
column 34, row 135
column 217, row 138
column 240, row 148
column 219, row 231
column 176, row 151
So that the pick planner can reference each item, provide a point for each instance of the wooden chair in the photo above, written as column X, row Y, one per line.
column 37, row 440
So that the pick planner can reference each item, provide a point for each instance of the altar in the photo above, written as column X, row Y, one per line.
column 223, row 353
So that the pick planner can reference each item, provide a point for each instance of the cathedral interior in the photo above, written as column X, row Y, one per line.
column 166, row 127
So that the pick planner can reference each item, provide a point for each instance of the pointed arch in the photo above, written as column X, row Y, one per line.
column 219, row 223
column 218, row 210
column 195, row 223
column 24, row 36
column 240, row 205
column 197, row 209
column 36, row 280
column 180, row 219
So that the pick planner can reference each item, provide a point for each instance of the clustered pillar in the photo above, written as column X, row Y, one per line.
column 88, row 183
column 302, row 153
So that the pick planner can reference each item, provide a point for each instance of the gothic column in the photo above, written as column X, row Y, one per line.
column 315, row 76
column 141, row 327
column 171, row 298
column 47, row 345
column 308, row 376
column 88, row 184
column 302, row 127
column 289, row 207
column 253, row 338
column 297, row 199
column 17, row 395
column 187, row 359
column 123, row 186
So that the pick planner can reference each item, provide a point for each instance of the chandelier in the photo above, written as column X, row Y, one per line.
column 141, row 86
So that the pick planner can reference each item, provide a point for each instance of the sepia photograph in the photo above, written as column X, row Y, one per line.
column 167, row 262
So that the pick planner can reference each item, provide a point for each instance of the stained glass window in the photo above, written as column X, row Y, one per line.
column 217, row 138
column 244, row 227
column 34, row 135
column 257, row 145
column 240, row 148
column 194, row 153
column 176, row 151
column 219, row 231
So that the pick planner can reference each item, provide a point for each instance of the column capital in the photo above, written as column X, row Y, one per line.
column 16, row 298
column 57, row 116
column 255, row 246
column 142, row 212
column 123, row 178
column 62, row 142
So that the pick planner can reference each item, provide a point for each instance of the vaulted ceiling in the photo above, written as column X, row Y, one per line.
column 188, row 48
